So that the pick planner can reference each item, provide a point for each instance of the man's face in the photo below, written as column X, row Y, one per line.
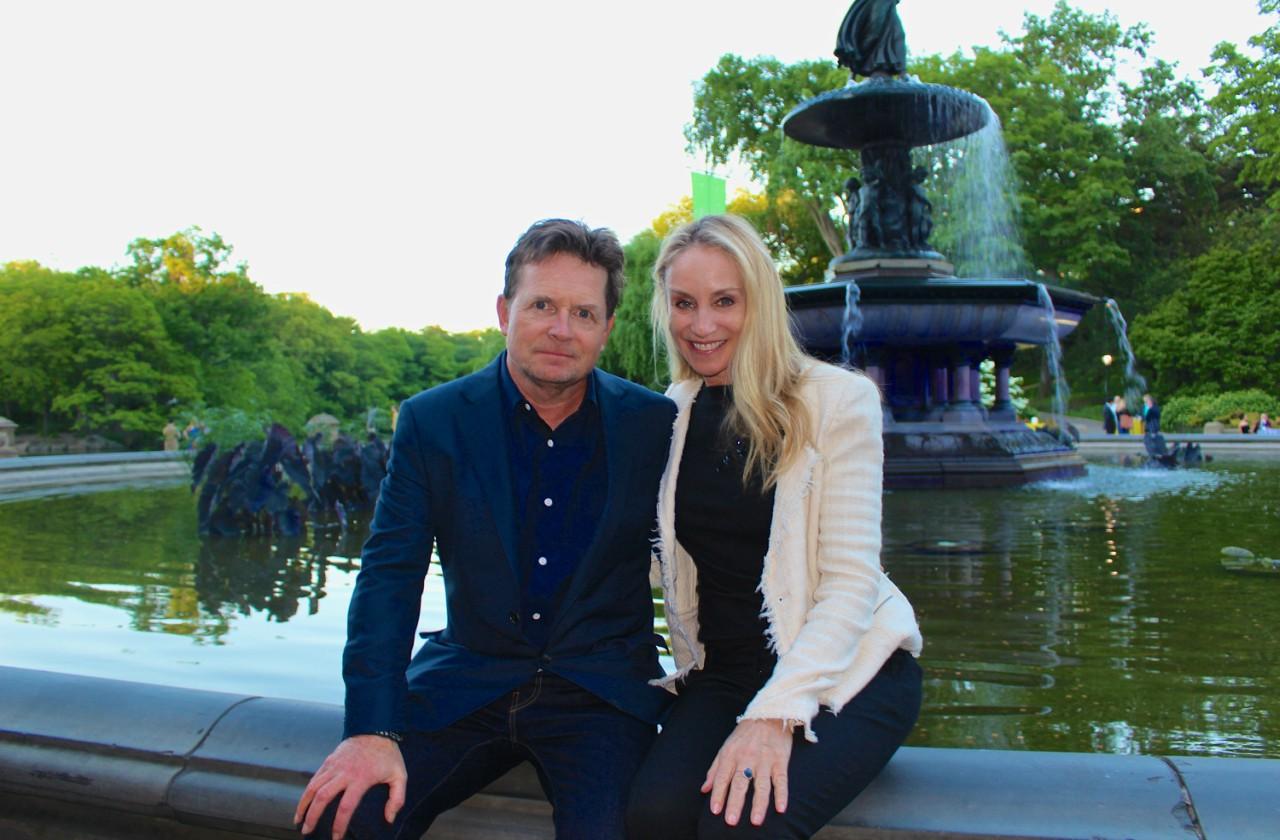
column 555, row 323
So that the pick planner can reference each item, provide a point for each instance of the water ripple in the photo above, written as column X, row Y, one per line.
column 1136, row 483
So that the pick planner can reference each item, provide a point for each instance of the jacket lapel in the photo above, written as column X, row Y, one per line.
column 485, row 452
column 682, row 393
column 619, row 460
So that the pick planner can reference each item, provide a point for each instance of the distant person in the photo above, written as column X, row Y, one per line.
column 193, row 432
column 1123, row 417
column 536, row 480
column 170, row 433
column 1110, row 421
column 1263, row 426
column 1244, row 425
column 1150, row 415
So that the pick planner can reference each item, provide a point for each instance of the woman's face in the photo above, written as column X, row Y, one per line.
column 708, row 308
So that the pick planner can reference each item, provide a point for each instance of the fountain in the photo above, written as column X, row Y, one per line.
column 895, row 306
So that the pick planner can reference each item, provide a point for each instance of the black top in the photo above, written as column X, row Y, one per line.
column 722, row 524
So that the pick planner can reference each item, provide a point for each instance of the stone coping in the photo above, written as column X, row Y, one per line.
column 1187, row 437
column 89, row 459
column 232, row 766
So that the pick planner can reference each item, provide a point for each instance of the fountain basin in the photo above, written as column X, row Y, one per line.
column 922, row 340
column 916, row 311
column 894, row 110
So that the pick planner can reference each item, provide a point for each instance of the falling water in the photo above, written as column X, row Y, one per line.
column 1135, row 385
column 851, row 323
column 1053, row 356
column 976, row 209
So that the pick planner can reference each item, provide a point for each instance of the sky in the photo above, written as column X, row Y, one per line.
column 382, row 157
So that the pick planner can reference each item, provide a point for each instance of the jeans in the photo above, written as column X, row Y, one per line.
column 584, row 750
column 823, row 777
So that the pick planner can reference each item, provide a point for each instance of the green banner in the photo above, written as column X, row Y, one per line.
column 708, row 195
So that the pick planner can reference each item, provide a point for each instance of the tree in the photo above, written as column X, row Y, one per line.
column 1166, row 145
column 124, row 369
column 631, row 351
column 1051, row 87
column 35, row 340
column 1248, row 105
column 1218, row 333
column 738, row 111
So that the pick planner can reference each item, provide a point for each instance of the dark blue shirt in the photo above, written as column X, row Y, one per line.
column 560, row 481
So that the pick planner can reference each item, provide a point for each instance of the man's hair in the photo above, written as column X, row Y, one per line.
column 594, row 246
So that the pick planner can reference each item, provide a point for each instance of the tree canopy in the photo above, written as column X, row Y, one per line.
column 1140, row 188
column 181, row 331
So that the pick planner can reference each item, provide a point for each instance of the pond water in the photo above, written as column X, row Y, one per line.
column 1088, row 615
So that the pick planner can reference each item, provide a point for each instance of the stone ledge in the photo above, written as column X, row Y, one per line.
column 100, row 759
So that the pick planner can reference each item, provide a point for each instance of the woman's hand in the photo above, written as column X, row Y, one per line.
column 764, row 747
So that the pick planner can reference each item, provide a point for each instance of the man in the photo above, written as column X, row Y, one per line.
column 1150, row 415
column 1110, row 420
column 536, row 479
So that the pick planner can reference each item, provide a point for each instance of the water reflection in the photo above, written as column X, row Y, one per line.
column 1091, row 614
column 1082, row 615
column 277, row 578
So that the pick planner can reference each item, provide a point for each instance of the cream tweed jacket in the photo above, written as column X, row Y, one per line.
column 833, row 615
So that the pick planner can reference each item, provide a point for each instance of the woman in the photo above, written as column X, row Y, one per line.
column 769, row 543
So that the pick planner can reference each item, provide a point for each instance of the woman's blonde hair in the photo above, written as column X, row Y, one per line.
column 768, row 364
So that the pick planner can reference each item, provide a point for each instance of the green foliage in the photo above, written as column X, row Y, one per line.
column 738, row 110
column 181, row 334
column 1219, row 332
column 631, row 351
column 1146, row 192
column 1052, row 86
column 1248, row 104
column 227, row 427
column 987, row 385
column 1190, row 413
column 88, row 350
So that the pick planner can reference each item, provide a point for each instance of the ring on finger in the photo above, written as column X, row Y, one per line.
column 746, row 771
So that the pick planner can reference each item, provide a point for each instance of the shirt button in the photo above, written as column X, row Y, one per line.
column 550, row 442
column 542, row 561
column 528, row 407
column 537, row 616
column 547, row 501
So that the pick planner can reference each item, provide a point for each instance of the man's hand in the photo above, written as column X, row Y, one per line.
column 357, row 764
column 762, row 745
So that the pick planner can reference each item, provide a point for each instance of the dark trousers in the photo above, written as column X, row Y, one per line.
column 584, row 750
column 823, row 777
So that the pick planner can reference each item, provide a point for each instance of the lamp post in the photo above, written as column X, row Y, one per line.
column 1106, row 370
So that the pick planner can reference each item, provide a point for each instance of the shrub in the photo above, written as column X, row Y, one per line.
column 1190, row 413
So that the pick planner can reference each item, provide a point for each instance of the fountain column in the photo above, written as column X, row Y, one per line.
column 939, row 393
column 964, row 406
column 1003, row 408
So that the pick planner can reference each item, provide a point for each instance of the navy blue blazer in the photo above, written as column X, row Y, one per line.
column 449, row 483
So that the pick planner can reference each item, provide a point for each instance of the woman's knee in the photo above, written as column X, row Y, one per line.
column 775, row 827
column 650, row 817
